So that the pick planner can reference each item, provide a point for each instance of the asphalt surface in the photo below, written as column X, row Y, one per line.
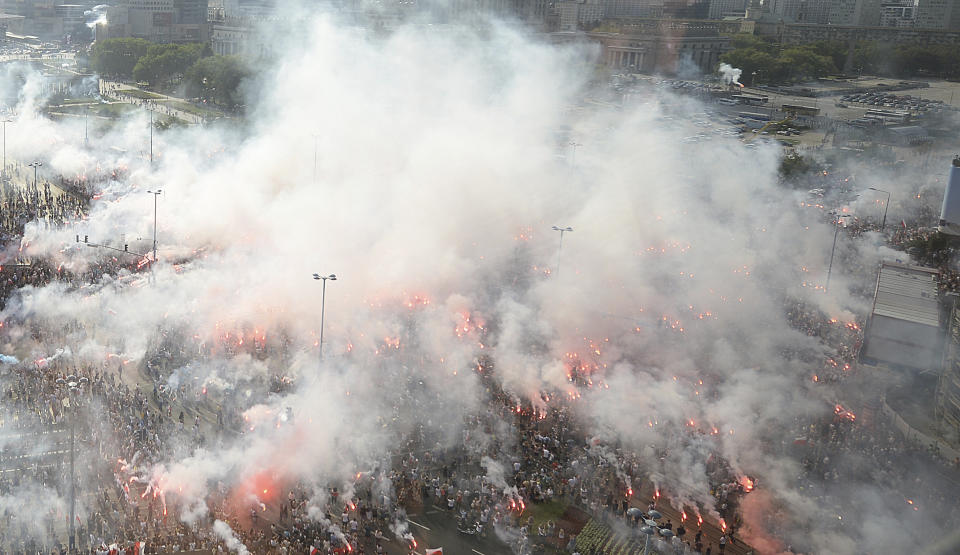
column 435, row 528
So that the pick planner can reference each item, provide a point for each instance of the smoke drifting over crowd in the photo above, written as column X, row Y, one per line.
column 443, row 159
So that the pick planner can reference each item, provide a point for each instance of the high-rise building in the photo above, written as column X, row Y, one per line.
column 633, row 8
column 157, row 20
column 801, row 11
column 865, row 13
column 938, row 14
column 727, row 8
column 898, row 13
column 686, row 9
column 191, row 11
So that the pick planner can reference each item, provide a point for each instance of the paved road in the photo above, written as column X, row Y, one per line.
column 121, row 92
column 29, row 447
column 434, row 528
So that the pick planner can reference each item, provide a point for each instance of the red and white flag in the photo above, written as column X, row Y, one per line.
column 314, row 550
column 437, row 551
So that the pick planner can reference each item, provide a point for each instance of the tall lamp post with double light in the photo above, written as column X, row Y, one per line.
column 35, row 165
column 838, row 213
column 573, row 159
column 323, row 303
column 72, row 385
column 886, row 205
column 651, row 528
column 155, row 194
column 562, row 230
column 5, row 121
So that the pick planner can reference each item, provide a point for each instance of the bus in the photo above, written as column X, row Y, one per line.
column 750, row 99
column 888, row 116
column 798, row 110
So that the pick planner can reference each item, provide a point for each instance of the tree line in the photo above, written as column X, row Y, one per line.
column 764, row 61
column 192, row 67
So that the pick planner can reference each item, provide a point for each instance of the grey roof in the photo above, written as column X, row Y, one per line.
column 908, row 293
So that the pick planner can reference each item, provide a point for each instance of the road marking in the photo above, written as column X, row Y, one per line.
column 432, row 512
column 477, row 552
column 417, row 524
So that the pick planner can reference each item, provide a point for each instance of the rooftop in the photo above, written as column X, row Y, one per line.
column 908, row 293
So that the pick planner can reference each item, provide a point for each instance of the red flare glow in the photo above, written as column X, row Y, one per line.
column 629, row 492
column 683, row 516
column 699, row 520
column 843, row 413
column 747, row 484
column 723, row 525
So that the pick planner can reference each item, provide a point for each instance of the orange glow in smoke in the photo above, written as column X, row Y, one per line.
column 747, row 484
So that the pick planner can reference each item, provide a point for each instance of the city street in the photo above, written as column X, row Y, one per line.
column 434, row 528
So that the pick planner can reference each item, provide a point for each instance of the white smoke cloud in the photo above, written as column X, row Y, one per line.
column 437, row 185
column 224, row 532
column 730, row 74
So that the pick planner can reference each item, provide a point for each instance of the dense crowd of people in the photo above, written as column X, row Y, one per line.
column 127, row 417
column 24, row 199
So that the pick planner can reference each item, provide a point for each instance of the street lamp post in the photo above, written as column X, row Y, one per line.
column 155, row 195
column 35, row 165
column 73, row 385
column 323, row 303
column 836, row 231
column 573, row 159
column 151, row 137
column 886, row 205
column 5, row 122
column 86, row 135
column 562, row 230
column 650, row 529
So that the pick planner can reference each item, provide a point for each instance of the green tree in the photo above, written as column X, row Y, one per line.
column 746, row 40
column 803, row 62
column 167, row 62
column 795, row 166
column 751, row 60
column 911, row 60
column 833, row 49
column 873, row 57
column 117, row 57
column 218, row 78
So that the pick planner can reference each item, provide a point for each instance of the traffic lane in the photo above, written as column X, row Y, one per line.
column 435, row 528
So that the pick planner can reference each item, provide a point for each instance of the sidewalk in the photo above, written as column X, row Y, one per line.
column 117, row 91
